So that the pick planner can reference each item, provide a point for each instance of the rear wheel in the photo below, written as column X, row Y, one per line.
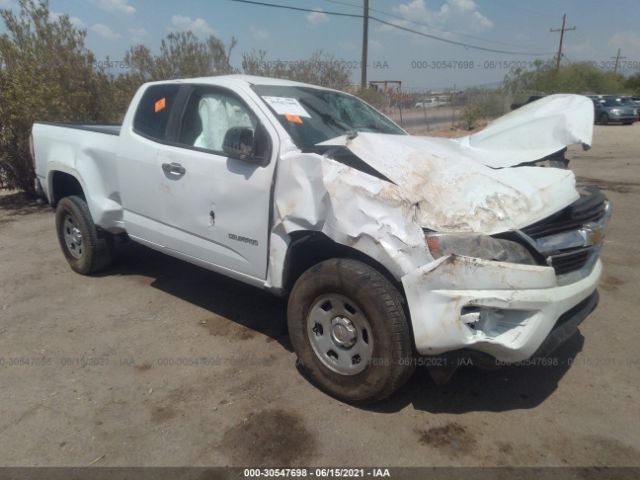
column 350, row 332
column 86, row 249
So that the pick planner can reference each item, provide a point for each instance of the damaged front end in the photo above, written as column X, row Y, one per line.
column 494, row 254
column 511, row 300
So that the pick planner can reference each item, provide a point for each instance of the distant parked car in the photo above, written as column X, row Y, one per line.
column 430, row 103
column 613, row 110
column 633, row 102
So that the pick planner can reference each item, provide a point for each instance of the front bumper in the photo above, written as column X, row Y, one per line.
column 622, row 118
column 505, row 310
column 567, row 325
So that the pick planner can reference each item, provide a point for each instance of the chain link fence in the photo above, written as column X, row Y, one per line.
column 424, row 111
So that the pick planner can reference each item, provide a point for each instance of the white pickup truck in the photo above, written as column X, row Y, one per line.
column 390, row 247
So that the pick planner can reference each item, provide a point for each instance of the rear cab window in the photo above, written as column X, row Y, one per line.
column 152, row 116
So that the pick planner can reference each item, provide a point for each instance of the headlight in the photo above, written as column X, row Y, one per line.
column 615, row 111
column 478, row 246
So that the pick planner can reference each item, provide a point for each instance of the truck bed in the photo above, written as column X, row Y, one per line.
column 87, row 151
column 108, row 129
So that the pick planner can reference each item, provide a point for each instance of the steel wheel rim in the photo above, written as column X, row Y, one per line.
column 340, row 334
column 72, row 237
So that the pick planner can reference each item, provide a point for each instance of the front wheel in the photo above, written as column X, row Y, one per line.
column 348, row 327
column 86, row 249
column 604, row 119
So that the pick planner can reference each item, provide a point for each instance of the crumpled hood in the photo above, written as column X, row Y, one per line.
column 464, row 184
column 533, row 131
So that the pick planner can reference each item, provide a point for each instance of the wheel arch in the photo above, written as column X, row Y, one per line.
column 63, row 184
column 308, row 248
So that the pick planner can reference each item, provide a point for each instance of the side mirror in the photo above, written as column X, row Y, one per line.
column 239, row 143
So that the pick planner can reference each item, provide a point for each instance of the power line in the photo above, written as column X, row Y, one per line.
column 561, row 30
column 299, row 9
column 346, row 4
column 617, row 59
column 454, row 42
column 399, row 17
column 393, row 25
column 365, row 44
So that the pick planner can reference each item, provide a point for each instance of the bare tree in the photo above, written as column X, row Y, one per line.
column 319, row 69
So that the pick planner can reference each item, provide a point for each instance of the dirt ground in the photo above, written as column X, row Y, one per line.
column 157, row 362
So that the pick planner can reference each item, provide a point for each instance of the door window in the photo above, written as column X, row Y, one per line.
column 209, row 116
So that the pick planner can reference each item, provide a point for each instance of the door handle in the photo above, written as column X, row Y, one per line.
column 174, row 169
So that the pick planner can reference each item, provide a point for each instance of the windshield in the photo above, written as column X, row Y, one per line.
column 311, row 115
column 612, row 102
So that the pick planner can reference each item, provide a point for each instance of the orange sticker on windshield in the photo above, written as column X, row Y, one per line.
column 293, row 118
column 161, row 104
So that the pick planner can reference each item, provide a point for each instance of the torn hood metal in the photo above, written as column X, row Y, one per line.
column 477, row 183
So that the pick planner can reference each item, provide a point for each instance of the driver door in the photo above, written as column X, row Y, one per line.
column 216, row 207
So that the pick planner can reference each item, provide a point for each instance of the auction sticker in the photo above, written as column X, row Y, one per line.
column 287, row 106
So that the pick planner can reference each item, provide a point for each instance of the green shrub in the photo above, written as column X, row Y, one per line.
column 471, row 115
column 47, row 74
column 579, row 77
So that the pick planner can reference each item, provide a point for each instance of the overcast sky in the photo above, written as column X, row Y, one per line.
column 513, row 25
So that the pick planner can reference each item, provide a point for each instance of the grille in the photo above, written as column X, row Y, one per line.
column 588, row 208
column 570, row 261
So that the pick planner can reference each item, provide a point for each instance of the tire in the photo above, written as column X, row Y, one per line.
column 604, row 119
column 339, row 302
column 628, row 123
column 86, row 249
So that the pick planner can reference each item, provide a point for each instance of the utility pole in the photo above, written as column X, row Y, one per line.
column 617, row 59
column 561, row 30
column 365, row 44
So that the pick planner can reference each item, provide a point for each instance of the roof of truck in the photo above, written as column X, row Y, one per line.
column 248, row 79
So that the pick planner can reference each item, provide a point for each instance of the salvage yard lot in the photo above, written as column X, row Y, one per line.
column 158, row 361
